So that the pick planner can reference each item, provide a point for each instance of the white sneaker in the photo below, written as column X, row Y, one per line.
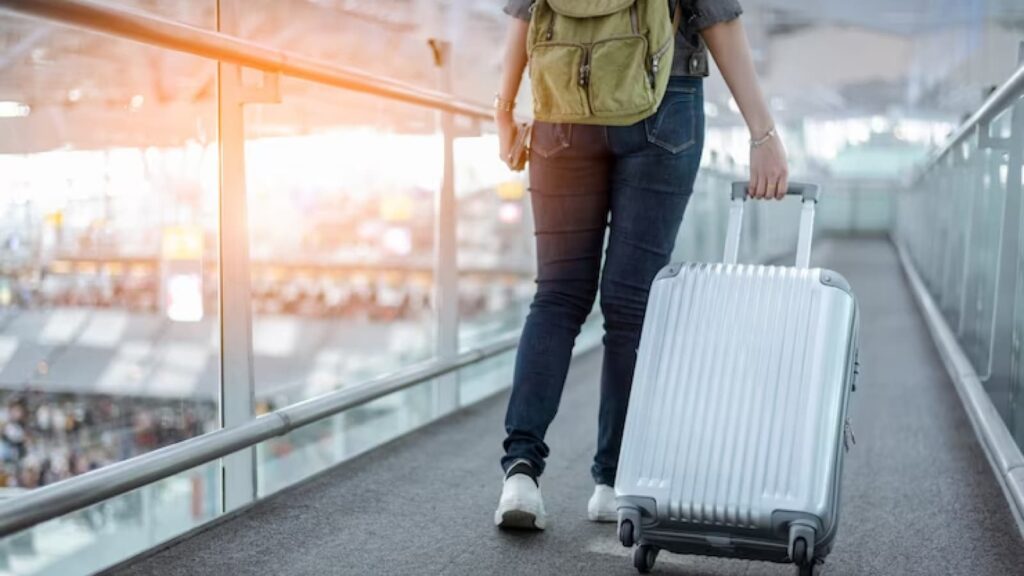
column 601, row 507
column 521, row 505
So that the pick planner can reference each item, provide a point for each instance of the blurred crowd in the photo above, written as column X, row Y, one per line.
column 45, row 438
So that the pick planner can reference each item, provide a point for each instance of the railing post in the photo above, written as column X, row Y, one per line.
column 1015, row 421
column 446, row 279
column 1001, row 360
column 968, row 177
column 237, row 381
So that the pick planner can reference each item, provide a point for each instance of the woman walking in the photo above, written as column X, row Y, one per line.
column 631, row 182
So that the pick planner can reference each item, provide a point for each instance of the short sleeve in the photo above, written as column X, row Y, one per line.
column 518, row 8
column 710, row 12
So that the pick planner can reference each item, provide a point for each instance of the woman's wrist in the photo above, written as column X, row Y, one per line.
column 504, row 116
column 758, row 141
column 759, row 130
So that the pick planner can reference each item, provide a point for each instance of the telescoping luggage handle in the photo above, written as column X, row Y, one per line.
column 810, row 194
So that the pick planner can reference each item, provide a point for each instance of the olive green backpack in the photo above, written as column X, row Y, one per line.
column 600, row 61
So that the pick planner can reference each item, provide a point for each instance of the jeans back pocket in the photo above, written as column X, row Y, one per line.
column 550, row 138
column 674, row 126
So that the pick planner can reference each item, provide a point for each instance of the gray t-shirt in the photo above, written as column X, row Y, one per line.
column 691, row 55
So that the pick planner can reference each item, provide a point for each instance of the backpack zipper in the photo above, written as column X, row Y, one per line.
column 657, row 56
column 585, row 67
column 656, row 60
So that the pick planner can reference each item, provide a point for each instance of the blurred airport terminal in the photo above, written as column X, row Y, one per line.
column 289, row 217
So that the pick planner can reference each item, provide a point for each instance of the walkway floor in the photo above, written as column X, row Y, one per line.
column 918, row 495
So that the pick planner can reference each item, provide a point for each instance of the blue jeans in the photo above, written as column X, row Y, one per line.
column 633, row 181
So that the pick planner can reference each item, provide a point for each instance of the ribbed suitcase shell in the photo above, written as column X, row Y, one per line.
column 736, row 419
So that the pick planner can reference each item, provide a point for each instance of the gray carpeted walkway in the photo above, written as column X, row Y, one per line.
column 919, row 497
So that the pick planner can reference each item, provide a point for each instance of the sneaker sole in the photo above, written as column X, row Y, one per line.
column 603, row 518
column 519, row 520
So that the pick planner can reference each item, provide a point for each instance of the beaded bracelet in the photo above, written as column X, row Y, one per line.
column 760, row 141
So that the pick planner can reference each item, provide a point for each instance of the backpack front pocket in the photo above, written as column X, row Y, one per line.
column 557, row 75
column 620, row 82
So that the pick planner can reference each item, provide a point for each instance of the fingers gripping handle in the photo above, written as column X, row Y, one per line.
column 808, row 191
column 810, row 194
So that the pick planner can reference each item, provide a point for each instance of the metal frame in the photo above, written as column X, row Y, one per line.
column 237, row 377
column 446, row 276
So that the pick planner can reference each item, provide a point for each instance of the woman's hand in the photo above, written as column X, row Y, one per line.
column 769, row 172
column 769, row 175
column 506, row 123
column 511, row 74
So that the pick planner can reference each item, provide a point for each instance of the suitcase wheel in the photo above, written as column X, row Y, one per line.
column 644, row 557
column 813, row 569
column 805, row 566
column 626, row 533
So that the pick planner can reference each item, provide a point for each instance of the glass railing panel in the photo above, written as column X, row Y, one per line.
column 1015, row 412
column 873, row 210
column 935, row 250
column 104, row 534
column 936, row 215
column 496, row 250
column 988, row 191
column 109, row 267
column 295, row 456
column 702, row 234
column 952, row 223
column 961, row 199
column 989, row 362
column 860, row 206
column 109, row 293
column 485, row 378
column 949, row 230
column 342, row 190
column 836, row 210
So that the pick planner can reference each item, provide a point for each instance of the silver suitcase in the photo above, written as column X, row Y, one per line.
column 736, row 425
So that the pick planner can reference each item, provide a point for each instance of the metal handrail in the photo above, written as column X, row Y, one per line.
column 76, row 493
column 997, row 102
column 161, row 32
